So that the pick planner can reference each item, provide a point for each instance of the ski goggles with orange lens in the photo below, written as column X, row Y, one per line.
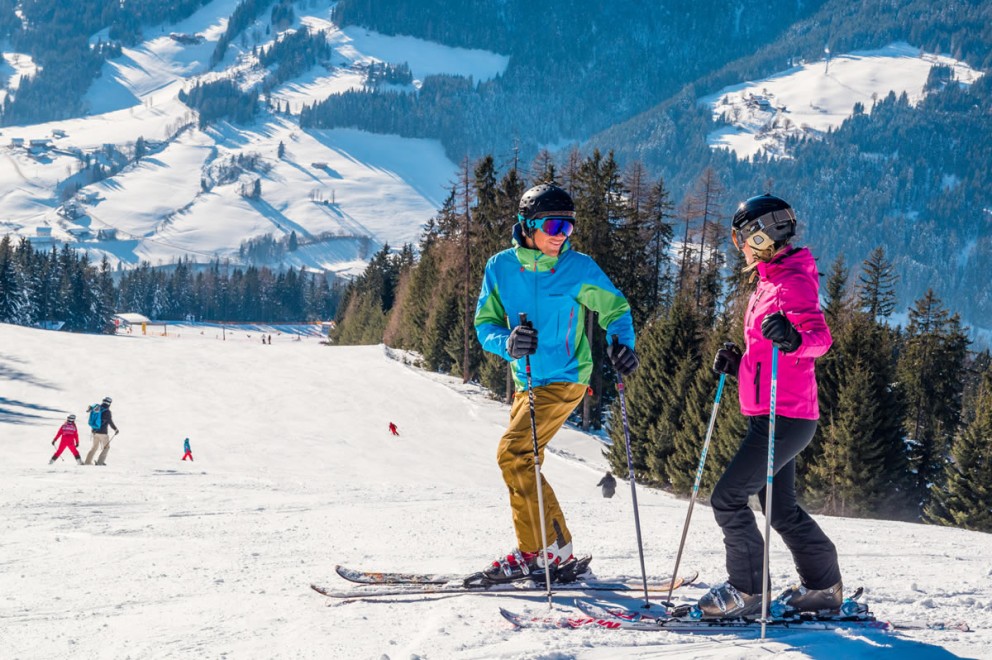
column 552, row 225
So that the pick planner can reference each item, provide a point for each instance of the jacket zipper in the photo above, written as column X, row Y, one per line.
column 571, row 315
column 757, row 385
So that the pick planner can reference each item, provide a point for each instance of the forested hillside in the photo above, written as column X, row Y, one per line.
column 574, row 69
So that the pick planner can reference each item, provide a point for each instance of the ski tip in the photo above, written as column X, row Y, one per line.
column 689, row 579
column 511, row 617
column 319, row 589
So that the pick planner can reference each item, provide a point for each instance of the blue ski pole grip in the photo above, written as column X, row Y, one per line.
column 719, row 388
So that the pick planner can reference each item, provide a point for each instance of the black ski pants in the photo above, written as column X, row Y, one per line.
column 814, row 554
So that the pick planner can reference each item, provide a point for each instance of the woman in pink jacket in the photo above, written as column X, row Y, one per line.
column 783, row 311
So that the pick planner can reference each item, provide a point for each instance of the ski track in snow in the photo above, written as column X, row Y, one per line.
column 295, row 471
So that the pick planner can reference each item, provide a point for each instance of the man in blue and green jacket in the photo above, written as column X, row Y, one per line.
column 552, row 285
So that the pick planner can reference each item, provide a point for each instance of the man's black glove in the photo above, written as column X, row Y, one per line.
column 779, row 330
column 727, row 360
column 623, row 357
column 522, row 341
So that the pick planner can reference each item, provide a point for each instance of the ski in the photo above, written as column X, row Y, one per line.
column 569, row 572
column 375, row 590
column 684, row 625
column 611, row 616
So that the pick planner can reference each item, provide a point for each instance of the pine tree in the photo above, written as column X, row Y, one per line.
column 668, row 348
column 930, row 368
column 966, row 499
column 877, row 291
column 659, row 233
column 846, row 472
column 687, row 445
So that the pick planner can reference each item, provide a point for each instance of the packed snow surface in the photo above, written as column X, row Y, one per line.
column 295, row 471
column 810, row 99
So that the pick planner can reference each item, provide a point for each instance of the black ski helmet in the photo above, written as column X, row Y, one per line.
column 543, row 199
column 766, row 223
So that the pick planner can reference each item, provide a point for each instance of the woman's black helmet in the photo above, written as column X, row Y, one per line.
column 765, row 223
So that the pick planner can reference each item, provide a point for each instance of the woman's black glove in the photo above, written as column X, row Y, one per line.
column 779, row 330
column 727, row 360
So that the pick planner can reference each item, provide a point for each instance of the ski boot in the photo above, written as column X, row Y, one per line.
column 819, row 601
column 522, row 565
column 726, row 602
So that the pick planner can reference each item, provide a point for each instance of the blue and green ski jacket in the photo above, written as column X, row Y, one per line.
column 554, row 293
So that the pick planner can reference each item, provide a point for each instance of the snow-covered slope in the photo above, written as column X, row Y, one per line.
column 811, row 98
column 344, row 192
column 295, row 471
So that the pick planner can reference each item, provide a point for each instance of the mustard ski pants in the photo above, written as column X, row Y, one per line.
column 552, row 405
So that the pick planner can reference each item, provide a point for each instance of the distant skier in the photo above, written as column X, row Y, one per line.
column 188, row 453
column 784, row 311
column 609, row 484
column 554, row 285
column 100, row 419
column 393, row 429
column 70, row 440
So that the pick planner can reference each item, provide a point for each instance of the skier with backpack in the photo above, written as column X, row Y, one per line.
column 784, row 313
column 70, row 440
column 532, row 312
column 100, row 418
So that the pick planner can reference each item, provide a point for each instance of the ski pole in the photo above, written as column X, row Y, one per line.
column 695, row 485
column 630, row 474
column 768, row 490
column 537, row 468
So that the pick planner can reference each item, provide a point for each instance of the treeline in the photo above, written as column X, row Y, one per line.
column 244, row 15
column 47, row 288
column 294, row 54
column 904, row 410
column 391, row 74
column 62, row 286
column 221, row 293
column 221, row 99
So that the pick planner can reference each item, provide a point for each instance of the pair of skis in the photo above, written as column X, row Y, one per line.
column 376, row 585
column 610, row 616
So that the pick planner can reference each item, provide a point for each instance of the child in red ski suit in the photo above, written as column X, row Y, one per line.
column 70, row 440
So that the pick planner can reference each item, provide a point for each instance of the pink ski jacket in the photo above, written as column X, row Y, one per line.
column 68, row 433
column 789, row 283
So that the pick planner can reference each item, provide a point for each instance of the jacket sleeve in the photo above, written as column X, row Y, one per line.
column 800, row 300
column 598, row 294
column 490, row 317
column 110, row 419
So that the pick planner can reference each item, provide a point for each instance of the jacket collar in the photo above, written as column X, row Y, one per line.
column 766, row 268
column 532, row 259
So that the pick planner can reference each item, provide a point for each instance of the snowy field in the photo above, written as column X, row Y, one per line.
column 152, row 557
column 811, row 98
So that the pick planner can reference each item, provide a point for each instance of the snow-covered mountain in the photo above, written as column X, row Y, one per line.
column 344, row 192
column 812, row 98
column 295, row 471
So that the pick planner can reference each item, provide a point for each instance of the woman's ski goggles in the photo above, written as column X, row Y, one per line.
column 552, row 225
